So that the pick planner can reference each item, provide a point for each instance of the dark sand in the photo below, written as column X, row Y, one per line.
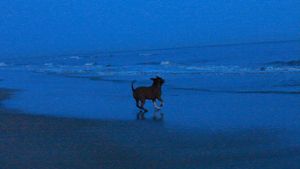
column 40, row 142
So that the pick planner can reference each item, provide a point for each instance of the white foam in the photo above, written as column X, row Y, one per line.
column 75, row 57
column 282, row 69
column 165, row 62
column 2, row 64
column 90, row 64
column 90, row 67
column 145, row 54
column 48, row 64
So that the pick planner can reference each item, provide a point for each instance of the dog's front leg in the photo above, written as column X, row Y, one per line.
column 161, row 102
column 155, row 105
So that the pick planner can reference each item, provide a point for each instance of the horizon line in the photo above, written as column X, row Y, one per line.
column 184, row 47
column 170, row 48
column 201, row 46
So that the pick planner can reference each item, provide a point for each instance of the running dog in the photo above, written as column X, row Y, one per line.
column 153, row 93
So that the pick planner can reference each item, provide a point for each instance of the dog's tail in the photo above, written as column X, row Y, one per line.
column 132, row 88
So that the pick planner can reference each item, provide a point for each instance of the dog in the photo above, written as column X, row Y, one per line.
column 153, row 93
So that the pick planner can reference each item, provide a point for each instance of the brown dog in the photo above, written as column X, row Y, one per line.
column 153, row 92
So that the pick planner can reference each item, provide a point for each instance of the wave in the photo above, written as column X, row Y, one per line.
column 90, row 64
column 282, row 66
column 48, row 64
column 238, row 91
column 2, row 64
column 161, row 63
column 165, row 62
column 279, row 69
column 286, row 63
column 75, row 57
column 151, row 68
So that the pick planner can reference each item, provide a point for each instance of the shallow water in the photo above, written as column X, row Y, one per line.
column 231, row 86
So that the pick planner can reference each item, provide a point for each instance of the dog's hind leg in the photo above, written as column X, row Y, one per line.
column 142, row 107
column 139, row 114
column 137, row 103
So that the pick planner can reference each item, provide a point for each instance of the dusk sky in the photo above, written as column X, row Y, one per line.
column 49, row 27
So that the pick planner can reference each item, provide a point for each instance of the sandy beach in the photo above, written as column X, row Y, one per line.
column 32, row 141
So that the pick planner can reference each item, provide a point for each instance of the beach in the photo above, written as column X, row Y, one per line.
column 35, row 141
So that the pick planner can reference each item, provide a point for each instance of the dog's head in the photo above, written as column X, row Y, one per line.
column 158, row 80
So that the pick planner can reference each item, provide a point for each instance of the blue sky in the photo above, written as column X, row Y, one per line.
column 49, row 27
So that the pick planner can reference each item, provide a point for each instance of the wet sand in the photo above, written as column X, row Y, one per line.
column 42, row 142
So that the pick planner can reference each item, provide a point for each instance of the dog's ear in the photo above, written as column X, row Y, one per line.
column 152, row 79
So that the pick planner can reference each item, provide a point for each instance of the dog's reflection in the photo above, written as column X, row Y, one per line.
column 160, row 117
column 157, row 115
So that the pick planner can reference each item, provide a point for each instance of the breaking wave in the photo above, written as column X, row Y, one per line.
column 2, row 64
column 165, row 68
column 88, row 67
column 286, row 63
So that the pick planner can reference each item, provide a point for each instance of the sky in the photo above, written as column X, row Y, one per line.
column 50, row 27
